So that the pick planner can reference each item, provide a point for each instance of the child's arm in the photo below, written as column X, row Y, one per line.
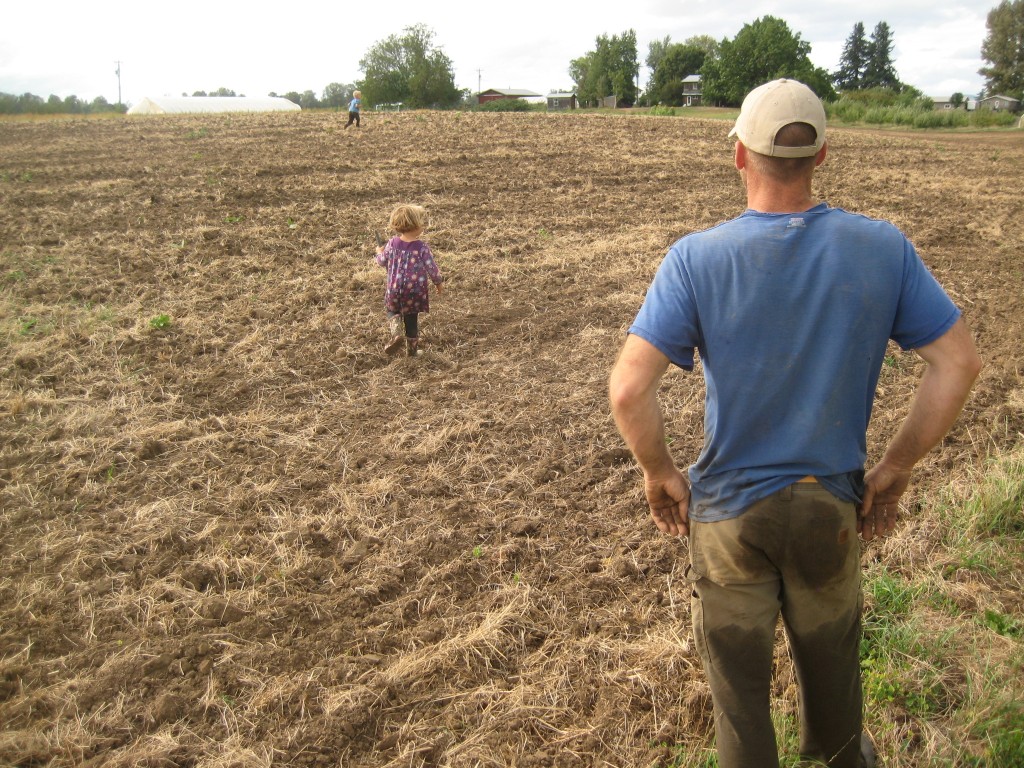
column 382, row 257
column 432, row 269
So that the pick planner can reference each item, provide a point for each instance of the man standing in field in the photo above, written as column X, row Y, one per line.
column 791, row 306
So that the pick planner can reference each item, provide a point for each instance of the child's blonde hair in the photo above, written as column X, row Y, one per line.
column 357, row 94
column 408, row 218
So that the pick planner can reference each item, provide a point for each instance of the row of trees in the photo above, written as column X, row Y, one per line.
column 30, row 104
column 410, row 69
column 767, row 48
column 764, row 49
column 761, row 50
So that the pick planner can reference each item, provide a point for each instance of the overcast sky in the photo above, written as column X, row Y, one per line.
column 70, row 47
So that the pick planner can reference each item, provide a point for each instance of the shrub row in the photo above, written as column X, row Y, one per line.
column 849, row 111
column 503, row 105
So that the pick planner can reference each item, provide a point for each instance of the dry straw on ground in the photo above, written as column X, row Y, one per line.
column 250, row 538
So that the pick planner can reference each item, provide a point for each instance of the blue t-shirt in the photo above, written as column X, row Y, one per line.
column 353, row 106
column 791, row 315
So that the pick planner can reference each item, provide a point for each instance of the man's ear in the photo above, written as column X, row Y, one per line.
column 820, row 157
column 740, row 156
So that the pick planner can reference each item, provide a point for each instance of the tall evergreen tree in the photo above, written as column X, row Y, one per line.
column 853, row 62
column 879, row 71
column 1003, row 49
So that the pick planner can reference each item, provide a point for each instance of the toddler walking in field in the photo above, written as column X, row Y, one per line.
column 353, row 109
column 411, row 268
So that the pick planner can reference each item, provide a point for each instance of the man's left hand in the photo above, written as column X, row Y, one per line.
column 880, row 510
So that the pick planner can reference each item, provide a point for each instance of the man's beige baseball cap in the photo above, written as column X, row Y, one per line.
column 770, row 107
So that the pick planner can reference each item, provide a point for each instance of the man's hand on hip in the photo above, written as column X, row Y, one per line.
column 879, row 512
column 669, row 500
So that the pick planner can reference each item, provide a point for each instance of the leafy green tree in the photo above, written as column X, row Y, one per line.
column 308, row 100
column 1003, row 49
column 410, row 70
column 294, row 97
column 957, row 100
column 853, row 61
column 583, row 72
column 879, row 71
column 337, row 95
column 679, row 61
column 29, row 102
column 706, row 43
column 763, row 50
column 655, row 53
column 625, row 67
column 609, row 70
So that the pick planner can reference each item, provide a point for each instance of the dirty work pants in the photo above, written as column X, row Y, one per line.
column 794, row 553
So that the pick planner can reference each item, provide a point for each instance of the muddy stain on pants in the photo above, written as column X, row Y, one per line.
column 794, row 553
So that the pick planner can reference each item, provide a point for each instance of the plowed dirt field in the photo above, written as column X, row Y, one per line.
column 235, row 532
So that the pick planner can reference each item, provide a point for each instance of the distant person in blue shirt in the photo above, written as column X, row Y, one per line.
column 353, row 108
column 790, row 306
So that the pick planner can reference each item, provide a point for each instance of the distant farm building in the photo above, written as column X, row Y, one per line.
column 497, row 94
column 999, row 103
column 558, row 102
column 171, row 105
column 692, row 91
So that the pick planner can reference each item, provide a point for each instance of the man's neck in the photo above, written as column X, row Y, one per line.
column 768, row 196
column 778, row 201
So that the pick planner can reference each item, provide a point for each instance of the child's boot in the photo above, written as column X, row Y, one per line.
column 395, row 329
column 414, row 345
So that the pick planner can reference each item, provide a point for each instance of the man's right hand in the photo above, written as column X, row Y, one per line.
column 669, row 501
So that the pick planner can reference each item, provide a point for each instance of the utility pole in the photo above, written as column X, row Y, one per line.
column 118, row 73
column 479, row 72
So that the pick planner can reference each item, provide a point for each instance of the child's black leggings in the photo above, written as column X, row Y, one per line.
column 411, row 325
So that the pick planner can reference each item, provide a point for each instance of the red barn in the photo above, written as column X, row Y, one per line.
column 495, row 94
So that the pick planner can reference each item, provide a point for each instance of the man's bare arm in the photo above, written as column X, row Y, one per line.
column 633, row 391
column 953, row 365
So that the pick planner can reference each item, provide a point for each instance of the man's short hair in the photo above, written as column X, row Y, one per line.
column 787, row 169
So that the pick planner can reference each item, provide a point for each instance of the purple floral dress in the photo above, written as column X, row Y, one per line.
column 409, row 267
